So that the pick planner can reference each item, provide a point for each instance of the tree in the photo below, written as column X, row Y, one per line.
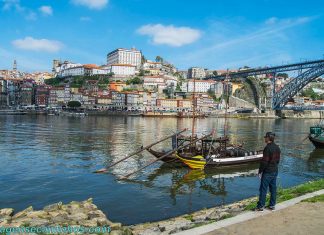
column 283, row 75
column 159, row 59
column 143, row 59
column 134, row 81
column 141, row 73
column 110, row 74
column 215, row 73
column 53, row 81
column 74, row 104
column 309, row 92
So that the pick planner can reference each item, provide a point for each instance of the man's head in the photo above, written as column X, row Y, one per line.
column 269, row 137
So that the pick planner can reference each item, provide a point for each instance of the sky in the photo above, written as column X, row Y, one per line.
column 208, row 33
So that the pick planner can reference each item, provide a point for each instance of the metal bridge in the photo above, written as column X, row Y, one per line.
column 308, row 71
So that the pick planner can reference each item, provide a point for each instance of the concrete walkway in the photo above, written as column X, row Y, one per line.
column 216, row 228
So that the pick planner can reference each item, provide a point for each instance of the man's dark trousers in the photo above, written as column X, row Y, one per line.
column 268, row 180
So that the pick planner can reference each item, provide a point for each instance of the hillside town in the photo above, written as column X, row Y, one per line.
column 130, row 82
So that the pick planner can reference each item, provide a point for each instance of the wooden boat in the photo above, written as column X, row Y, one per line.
column 159, row 114
column 190, row 115
column 135, row 114
column 179, row 141
column 316, row 135
column 199, row 162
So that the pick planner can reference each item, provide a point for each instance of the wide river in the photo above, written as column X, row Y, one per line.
column 47, row 159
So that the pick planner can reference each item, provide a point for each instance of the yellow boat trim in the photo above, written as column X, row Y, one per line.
column 194, row 164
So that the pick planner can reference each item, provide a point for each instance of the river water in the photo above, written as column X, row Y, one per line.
column 47, row 159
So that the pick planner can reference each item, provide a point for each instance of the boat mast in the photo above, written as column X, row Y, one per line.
column 193, row 110
column 226, row 106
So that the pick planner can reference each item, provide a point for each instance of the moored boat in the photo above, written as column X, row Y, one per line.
column 316, row 135
column 190, row 115
column 180, row 140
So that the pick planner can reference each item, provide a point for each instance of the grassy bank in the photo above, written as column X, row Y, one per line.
column 290, row 193
column 319, row 198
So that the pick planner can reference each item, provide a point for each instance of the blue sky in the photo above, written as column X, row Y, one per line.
column 206, row 33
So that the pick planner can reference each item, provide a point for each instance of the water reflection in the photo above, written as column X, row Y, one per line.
column 316, row 161
column 185, row 181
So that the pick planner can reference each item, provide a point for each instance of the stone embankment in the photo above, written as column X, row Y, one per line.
column 74, row 214
column 188, row 221
column 307, row 114
column 86, row 214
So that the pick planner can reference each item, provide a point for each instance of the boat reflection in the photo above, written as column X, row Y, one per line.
column 184, row 181
column 316, row 160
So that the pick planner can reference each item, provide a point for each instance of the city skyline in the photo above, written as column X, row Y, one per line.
column 214, row 35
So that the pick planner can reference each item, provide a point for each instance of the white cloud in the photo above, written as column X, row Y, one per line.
column 241, row 43
column 32, row 44
column 85, row 18
column 266, row 34
column 271, row 20
column 12, row 4
column 289, row 21
column 92, row 4
column 46, row 10
column 15, row 5
column 170, row 35
column 30, row 15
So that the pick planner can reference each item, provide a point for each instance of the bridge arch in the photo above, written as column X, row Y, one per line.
column 281, row 97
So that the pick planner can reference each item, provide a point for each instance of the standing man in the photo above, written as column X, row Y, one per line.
column 268, row 172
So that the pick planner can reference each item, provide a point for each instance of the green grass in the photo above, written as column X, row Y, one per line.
column 189, row 217
column 319, row 198
column 226, row 216
column 289, row 193
column 198, row 225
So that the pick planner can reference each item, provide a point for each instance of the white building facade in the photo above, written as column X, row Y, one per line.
column 154, row 82
column 98, row 71
column 196, row 72
column 81, row 70
column 125, row 56
column 198, row 86
column 217, row 89
column 123, row 69
column 152, row 65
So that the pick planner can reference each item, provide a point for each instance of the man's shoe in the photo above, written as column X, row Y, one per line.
column 258, row 209
column 272, row 208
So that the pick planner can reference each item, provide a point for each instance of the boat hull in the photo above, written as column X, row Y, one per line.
column 234, row 160
column 318, row 142
column 199, row 162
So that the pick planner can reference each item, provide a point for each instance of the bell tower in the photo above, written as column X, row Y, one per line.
column 14, row 67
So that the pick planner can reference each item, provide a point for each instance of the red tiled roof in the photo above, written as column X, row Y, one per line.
column 90, row 66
